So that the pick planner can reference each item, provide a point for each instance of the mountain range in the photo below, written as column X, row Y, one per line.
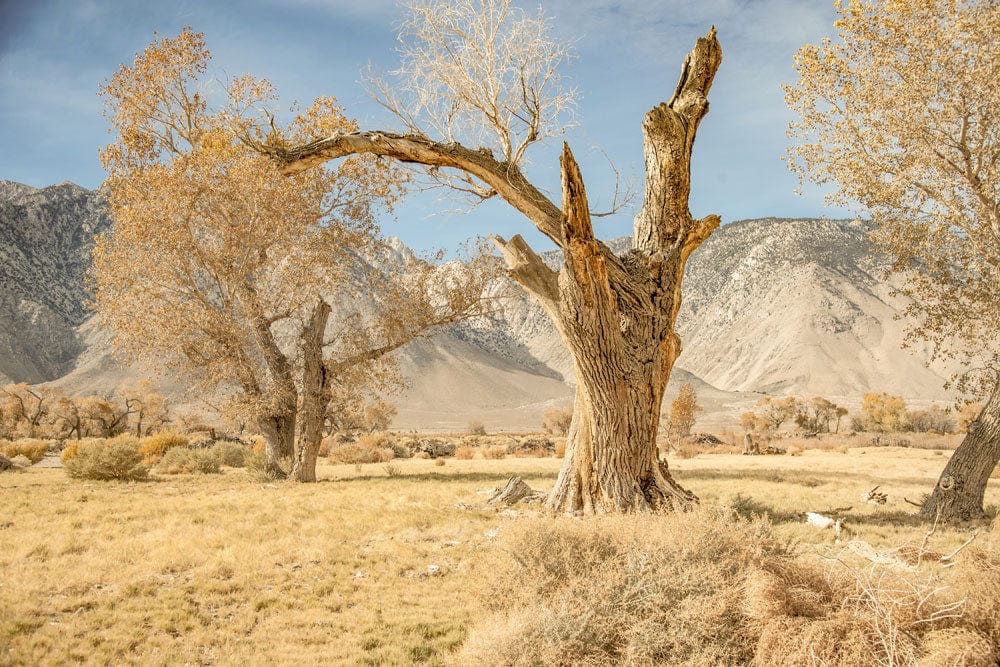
column 771, row 306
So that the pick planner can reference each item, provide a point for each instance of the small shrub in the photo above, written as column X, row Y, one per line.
column 495, row 452
column 557, row 420
column 465, row 452
column 530, row 447
column 439, row 462
column 400, row 450
column 377, row 440
column 325, row 445
column 114, row 459
column 231, row 454
column 256, row 466
column 686, row 451
column 257, row 444
column 155, row 446
column 476, row 428
column 358, row 453
column 794, row 450
column 184, row 460
column 560, row 451
column 421, row 455
column 392, row 470
column 31, row 448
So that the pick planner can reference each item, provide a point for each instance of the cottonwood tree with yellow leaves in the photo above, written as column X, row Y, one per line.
column 899, row 114
column 478, row 87
column 228, row 275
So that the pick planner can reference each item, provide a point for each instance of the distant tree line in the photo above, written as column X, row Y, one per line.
column 878, row 412
column 47, row 412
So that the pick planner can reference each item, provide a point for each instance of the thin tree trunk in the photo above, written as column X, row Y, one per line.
column 315, row 397
column 960, row 490
column 279, row 436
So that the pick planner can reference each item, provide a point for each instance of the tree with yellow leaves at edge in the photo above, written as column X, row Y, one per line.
column 899, row 114
column 478, row 87
column 683, row 412
column 226, row 274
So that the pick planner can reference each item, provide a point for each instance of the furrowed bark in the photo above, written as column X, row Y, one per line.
column 315, row 396
column 961, row 488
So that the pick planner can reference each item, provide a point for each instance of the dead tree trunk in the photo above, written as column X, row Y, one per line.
column 961, row 488
column 615, row 314
column 315, row 397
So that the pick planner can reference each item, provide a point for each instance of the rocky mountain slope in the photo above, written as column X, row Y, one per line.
column 770, row 306
column 46, row 236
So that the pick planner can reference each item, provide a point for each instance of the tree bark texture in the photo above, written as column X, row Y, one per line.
column 279, row 438
column 961, row 488
column 314, row 398
column 616, row 315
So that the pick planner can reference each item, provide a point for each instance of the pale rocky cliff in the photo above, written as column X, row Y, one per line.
column 46, row 237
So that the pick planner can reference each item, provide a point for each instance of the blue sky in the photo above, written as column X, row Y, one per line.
column 54, row 53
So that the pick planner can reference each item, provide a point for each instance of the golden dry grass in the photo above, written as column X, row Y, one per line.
column 222, row 569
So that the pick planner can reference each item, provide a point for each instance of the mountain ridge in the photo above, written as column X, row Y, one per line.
column 771, row 305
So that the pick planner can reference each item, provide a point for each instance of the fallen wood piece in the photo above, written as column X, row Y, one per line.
column 515, row 491
column 947, row 559
column 911, row 502
column 874, row 497
column 824, row 522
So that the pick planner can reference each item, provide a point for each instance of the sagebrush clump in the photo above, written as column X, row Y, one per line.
column 708, row 588
column 113, row 459
column 153, row 447
column 32, row 448
column 232, row 454
column 183, row 460
column 372, row 448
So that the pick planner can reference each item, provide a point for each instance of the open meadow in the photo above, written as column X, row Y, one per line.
column 385, row 563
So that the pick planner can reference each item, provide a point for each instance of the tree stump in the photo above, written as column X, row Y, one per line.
column 514, row 492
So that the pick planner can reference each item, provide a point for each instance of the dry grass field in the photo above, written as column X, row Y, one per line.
column 375, row 564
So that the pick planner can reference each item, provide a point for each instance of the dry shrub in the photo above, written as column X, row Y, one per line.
column 32, row 448
column 495, row 452
column 114, row 459
column 365, row 450
column 560, row 448
column 182, row 460
column 439, row 462
column 325, row 446
column 794, row 450
column 686, row 451
column 421, row 455
column 476, row 428
column 230, row 453
column 707, row 588
column 557, row 420
column 380, row 440
column 465, row 452
column 153, row 447
column 258, row 444
column 654, row 589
